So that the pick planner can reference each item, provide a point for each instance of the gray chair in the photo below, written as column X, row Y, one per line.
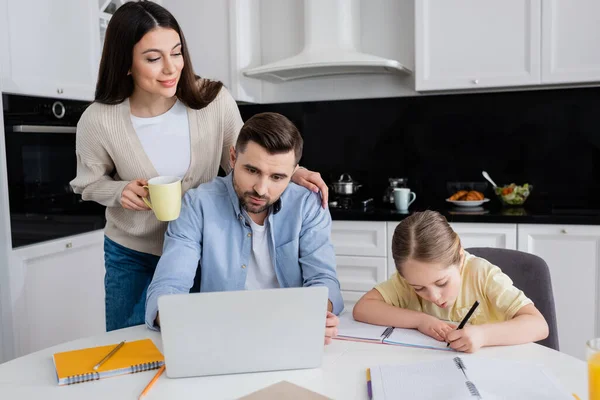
column 529, row 273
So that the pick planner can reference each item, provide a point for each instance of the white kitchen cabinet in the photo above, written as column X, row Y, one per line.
column 208, row 42
column 359, row 238
column 570, row 39
column 361, row 274
column 350, row 299
column 5, row 300
column 469, row 44
column 58, row 291
column 53, row 48
column 503, row 236
column 4, row 47
column 361, row 262
column 573, row 256
column 223, row 43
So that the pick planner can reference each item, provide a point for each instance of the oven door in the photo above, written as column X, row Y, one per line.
column 41, row 162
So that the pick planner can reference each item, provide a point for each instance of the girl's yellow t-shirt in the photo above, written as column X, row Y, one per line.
column 481, row 280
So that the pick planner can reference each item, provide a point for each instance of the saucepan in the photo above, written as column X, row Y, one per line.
column 345, row 185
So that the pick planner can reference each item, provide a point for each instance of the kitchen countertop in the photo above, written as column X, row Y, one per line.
column 498, row 215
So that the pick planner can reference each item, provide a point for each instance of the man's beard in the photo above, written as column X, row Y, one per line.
column 245, row 201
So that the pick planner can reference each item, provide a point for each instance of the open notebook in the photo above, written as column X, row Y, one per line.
column 76, row 366
column 349, row 329
column 465, row 377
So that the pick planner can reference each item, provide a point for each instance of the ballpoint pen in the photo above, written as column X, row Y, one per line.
column 466, row 318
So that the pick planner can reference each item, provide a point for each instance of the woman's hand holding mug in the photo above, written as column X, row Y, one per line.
column 131, row 197
column 164, row 197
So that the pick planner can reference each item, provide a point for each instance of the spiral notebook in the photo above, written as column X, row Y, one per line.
column 465, row 377
column 77, row 366
column 350, row 329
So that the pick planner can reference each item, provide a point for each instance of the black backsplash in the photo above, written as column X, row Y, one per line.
column 548, row 138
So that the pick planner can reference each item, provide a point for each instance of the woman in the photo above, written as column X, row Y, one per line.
column 151, row 116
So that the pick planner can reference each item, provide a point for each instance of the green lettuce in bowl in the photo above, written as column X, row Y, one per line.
column 513, row 195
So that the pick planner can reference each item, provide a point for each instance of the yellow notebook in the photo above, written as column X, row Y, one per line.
column 77, row 366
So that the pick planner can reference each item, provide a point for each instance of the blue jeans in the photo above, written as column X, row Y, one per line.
column 128, row 275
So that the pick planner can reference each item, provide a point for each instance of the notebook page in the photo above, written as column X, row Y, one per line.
column 504, row 379
column 412, row 337
column 350, row 329
column 430, row 380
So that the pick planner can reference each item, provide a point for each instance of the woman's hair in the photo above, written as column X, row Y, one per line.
column 426, row 237
column 127, row 26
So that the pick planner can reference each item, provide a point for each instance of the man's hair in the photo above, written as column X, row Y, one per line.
column 273, row 132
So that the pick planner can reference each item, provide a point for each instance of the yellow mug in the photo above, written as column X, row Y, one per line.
column 165, row 197
column 592, row 352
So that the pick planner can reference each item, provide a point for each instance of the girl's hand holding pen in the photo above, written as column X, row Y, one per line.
column 437, row 329
column 468, row 339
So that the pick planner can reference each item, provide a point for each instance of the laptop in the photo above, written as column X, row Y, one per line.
column 243, row 331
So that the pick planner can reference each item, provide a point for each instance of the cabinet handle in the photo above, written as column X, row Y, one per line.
column 475, row 81
column 69, row 245
column 563, row 231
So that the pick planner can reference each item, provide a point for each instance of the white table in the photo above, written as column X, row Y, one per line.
column 342, row 375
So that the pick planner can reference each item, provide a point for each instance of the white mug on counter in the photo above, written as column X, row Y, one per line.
column 403, row 198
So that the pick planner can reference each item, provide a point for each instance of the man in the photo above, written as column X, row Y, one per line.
column 252, row 229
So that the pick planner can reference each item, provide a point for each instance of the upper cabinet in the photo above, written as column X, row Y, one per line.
column 258, row 48
column 53, row 48
column 4, row 48
column 570, row 41
column 208, row 42
column 468, row 44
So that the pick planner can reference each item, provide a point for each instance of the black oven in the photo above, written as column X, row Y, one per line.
column 40, row 163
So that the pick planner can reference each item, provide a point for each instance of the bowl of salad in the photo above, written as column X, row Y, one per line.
column 513, row 195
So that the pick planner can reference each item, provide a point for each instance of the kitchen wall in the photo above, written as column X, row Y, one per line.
column 548, row 138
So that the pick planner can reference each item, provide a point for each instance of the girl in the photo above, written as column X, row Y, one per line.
column 437, row 281
column 151, row 116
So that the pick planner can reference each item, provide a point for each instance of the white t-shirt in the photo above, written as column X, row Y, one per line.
column 261, row 272
column 166, row 140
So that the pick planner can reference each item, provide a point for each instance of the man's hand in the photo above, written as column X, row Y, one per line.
column 469, row 339
column 331, row 324
column 437, row 329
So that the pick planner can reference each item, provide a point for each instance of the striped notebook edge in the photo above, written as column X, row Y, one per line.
column 93, row 376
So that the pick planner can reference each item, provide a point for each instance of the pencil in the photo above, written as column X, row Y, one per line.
column 369, row 384
column 466, row 318
column 109, row 355
column 151, row 383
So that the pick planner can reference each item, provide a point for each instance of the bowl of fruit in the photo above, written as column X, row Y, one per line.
column 513, row 195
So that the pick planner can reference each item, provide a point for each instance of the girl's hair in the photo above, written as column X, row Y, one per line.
column 127, row 26
column 426, row 237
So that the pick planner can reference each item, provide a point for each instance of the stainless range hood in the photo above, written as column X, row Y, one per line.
column 331, row 37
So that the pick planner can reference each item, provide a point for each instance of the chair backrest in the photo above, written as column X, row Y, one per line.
column 529, row 273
